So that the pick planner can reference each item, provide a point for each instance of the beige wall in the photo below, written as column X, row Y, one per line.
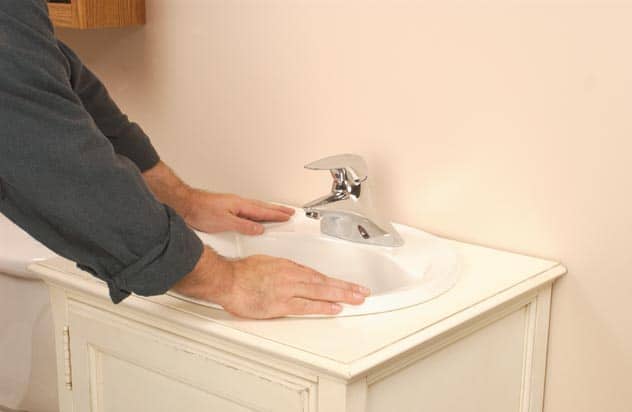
column 505, row 123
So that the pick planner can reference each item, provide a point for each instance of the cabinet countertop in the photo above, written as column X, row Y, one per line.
column 343, row 346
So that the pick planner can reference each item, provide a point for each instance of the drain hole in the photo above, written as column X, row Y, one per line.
column 363, row 232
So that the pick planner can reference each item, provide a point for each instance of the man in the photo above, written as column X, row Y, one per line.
column 80, row 177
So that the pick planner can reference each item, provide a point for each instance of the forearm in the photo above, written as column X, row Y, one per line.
column 63, row 182
column 212, row 276
column 169, row 188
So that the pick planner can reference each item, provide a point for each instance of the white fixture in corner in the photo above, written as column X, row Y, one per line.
column 27, row 351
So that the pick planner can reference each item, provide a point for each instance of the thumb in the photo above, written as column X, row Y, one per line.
column 245, row 226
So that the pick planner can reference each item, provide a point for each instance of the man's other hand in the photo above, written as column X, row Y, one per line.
column 214, row 212
column 263, row 287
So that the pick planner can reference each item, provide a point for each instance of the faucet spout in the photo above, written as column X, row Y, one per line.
column 326, row 200
column 347, row 212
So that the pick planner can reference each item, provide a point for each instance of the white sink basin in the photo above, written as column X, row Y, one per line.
column 422, row 269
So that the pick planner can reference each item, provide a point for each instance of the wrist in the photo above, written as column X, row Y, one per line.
column 211, row 278
column 221, row 273
column 170, row 189
column 183, row 201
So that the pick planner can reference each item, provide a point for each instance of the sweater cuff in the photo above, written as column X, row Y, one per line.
column 163, row 266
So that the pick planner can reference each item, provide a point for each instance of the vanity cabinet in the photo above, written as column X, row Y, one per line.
column 119, row 364
column 94, row 14
column 481, row 346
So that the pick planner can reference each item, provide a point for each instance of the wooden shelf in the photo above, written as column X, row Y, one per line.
column 94, row 14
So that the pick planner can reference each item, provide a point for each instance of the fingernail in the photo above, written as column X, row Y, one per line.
column 257, row 229
column 364, row 290
column 358, row 296
column 336, row 308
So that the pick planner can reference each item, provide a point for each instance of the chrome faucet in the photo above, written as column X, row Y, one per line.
column 348, row 212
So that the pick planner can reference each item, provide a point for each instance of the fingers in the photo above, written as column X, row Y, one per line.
column 244, row 226
column 287, row 210
column 275, row 287
column 255, row 212
column 342, row 284
column 300, row 306
column 309, row 275
column 315, row 291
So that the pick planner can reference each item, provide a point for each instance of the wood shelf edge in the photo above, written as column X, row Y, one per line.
column 97, row 14
column 61, row 14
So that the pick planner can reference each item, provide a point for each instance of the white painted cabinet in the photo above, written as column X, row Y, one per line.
column 479, row 347
column 122, row 365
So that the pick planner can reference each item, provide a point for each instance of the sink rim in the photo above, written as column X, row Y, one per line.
column 438, row 278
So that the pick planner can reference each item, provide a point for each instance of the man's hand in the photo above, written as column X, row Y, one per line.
column 212, row 212
column 263, row 287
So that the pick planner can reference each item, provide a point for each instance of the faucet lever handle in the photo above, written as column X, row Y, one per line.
column 354, row 166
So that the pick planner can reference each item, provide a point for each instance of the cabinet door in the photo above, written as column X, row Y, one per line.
column 119, row 365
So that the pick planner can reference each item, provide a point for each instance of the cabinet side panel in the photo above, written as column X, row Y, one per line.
column 481, row 372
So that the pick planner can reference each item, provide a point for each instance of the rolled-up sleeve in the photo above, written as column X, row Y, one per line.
column 62, row 179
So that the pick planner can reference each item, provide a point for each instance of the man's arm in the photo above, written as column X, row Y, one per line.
column 127, row 138
column 61, row 179
column 212, row 212
column 209, row 212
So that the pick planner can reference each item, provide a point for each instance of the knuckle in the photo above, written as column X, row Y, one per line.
column 312, row 290
column 314, row 307
column 318, row 278
column 295, row 288
column 325, row 307
column 305, row 306
column 287, row 263
column 299, row 265
column 335, row 293
column 286, row 290
column 300, row 306
column 281, row 267
column 279, row 287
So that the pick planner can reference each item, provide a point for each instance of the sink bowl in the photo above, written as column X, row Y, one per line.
column 399, row 277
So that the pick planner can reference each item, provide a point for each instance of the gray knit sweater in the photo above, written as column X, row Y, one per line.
column 71, row 163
